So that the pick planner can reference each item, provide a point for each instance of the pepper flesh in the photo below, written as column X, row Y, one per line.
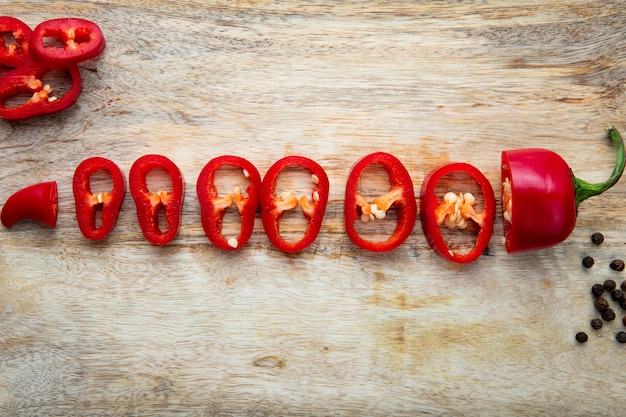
column 89, row 204
column 37, row 202
column 26, row 79
column 14, row 54
column 213, row 207
column 149, row 203
column 273, row 206
column 455, row 211
column 541, row 195
column 80, row 39
column 401, row 195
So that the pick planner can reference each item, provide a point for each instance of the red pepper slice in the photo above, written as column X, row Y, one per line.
column 37, row 202
column 273, row 206
column 148, row 203
column 213, row 207
column 14, row 54
column 401, row 195
column 81, row 40
column 541, row 195
column 26, row 79
column 89, row 204
column 456, row 211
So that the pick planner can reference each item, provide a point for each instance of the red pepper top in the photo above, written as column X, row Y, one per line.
column 273, row 206
column 14, row 54
column 401, row 195
column 149, row 203
column 26, row 79
column 456, row 211
column 80, row 39
column 88, row 203
column 213, row 207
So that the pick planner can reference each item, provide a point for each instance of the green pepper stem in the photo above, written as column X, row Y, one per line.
column 584, row 190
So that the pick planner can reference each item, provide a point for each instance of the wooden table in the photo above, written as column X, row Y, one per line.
column 124, row 328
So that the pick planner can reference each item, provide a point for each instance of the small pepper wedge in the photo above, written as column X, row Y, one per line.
column 541, row 195
column 213, row 206
column 88, row 204
column 149, row 203
column 14, row 53
column 79, row 40
column 37, row 202
column 27, row 79
column 456, row 211
column 401, row 195
column 273, row 206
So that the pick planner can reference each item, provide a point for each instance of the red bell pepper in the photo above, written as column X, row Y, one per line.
column 14, row 53
column 26, row 79
column 456, row 211
column 401, row 195
column 79, row 39
column 89, row 204
column 150, row 203
column 541, row 195
column 273, row 206
column 213, row 207
column 37, row 202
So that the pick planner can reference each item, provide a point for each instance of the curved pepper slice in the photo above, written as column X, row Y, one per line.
column 273, row 206
column 401, row 195
column 456, row 211
column 26, row 79
column 14, row 54
column 80, row 39
column 213, row 207
column 540, row 195
column 88, row 203
column 148, row 203
column 37, row 202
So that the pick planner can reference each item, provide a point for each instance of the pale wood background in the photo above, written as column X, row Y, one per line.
column 121, row 328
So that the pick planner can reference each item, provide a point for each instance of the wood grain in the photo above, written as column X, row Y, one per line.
column 122, row 328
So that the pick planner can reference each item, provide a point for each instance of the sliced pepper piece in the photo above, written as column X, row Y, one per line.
column 148, row 203
column 89, row 204
column 273, row 206
column 26, row 79
column 456, row 211
column 401, row 195
column 213, row 206
column 80, row 40
column 37, row 202
column 14, row 53
column 541, row 195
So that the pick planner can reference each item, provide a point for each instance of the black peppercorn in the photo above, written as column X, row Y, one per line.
column 617, row 265
column 622, row 304
column 587, row 261
column 623, row 286
column 617, row 295
column 601, row 304
column 597, row 323
column 581, row 337
column 624, row 320
column 610, row 285
column 621, row 337
column 597, row 290
column 608, row 314
column 597, row 238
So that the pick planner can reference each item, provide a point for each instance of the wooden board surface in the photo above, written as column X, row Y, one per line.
column 123, row 328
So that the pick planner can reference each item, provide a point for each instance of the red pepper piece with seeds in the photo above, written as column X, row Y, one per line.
column 14, row 53
column 107, row 203
column 541, row 196
column 401, row 195
column 78, row 40
column 37, row 202
column 456, row 211
column 149, row 204
column 213, row 206
column 273, row 206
